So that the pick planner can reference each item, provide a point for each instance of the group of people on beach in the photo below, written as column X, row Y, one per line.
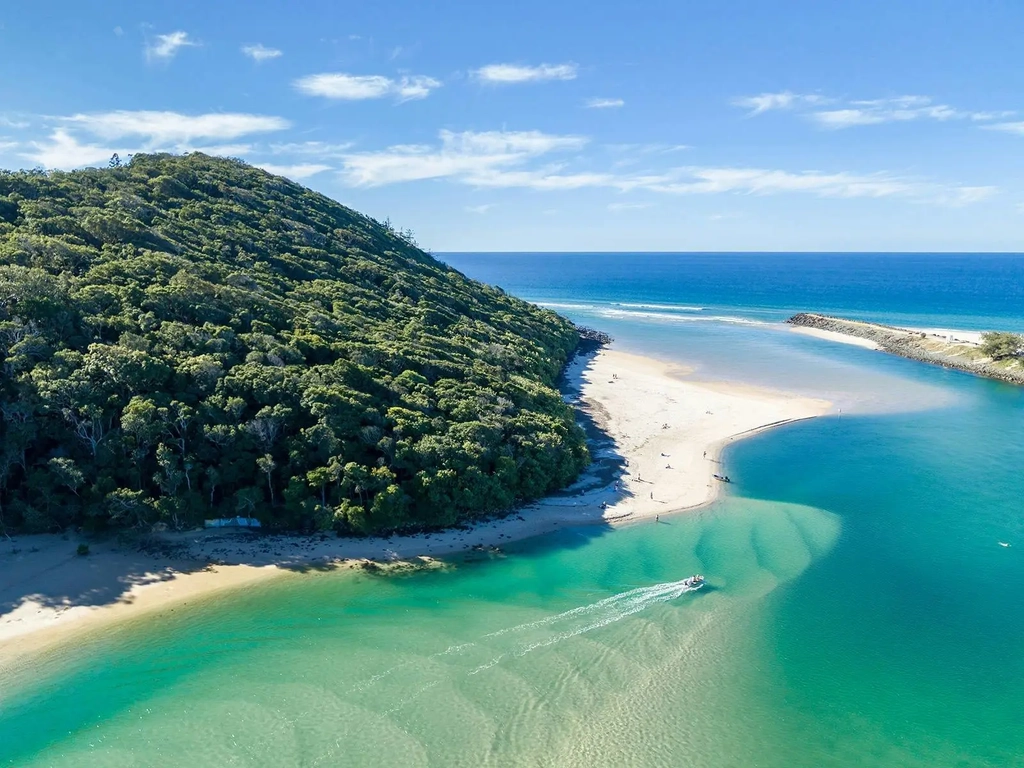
column 657, row 518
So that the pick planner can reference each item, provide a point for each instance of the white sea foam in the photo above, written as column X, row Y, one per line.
column 626, row 305
column 542, row 633
column 672, row 318
column 378, row 677
column 676, row 307
column 564, row 626
column 561, row 305
column 412, row 697
column 670, row 313
column 607, row 610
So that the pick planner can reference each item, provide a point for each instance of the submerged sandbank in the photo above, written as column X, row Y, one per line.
column 663, row 437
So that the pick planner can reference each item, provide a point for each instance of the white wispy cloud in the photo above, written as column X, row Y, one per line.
column 979, row 116
column 554, row 178
column 604, row 103
column 467, row 155
column 619, row 207
column 846, row 118
column 484, row 208
column 1017, row 127
column 957, row 196
column 165, row 47
column 850, row 113
column 521, row 73
column 297, row 171
column 646, row 149
column 129, row 132
column 164, row 128
column 64, row 151
column 321, row 149
column 222, row 150
column 522, row 160
column 339, row 85
column 760, row 181
column 898, row 109
column 765, row 102
column 260, row 52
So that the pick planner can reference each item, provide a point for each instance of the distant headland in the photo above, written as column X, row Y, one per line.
column 995, row 355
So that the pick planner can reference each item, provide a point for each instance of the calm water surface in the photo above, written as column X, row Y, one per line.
column 861, row 608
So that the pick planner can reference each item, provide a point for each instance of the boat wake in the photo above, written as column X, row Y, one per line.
column 563, row 626
column 517, row 641
column 611, row 608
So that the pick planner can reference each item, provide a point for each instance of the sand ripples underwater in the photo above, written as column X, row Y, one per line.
column 570, row 654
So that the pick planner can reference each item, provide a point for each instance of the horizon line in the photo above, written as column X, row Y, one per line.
column 775, row 252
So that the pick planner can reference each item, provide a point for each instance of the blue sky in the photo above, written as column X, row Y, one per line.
column 559, row 125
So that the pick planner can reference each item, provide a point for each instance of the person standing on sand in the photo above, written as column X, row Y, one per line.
column 705, row 454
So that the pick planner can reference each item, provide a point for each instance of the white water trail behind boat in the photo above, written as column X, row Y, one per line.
column 611, row 608
column 521, row 639
column 563, row 626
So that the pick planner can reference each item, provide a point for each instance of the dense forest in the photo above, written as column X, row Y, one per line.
column 184, row 337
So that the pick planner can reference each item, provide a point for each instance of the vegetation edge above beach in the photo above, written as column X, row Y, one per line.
column 185, row 337
column 999, row 355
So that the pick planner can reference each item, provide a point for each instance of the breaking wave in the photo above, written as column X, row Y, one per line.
column 669, row 317
column 675, row 307
column 654, row 312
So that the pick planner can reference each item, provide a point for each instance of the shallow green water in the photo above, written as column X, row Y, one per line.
column 576, row 649
column 861, row 612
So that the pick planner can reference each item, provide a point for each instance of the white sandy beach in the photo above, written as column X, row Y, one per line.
column 667, row 429
column 944, row 334
column 952, row 335
column 841, row 338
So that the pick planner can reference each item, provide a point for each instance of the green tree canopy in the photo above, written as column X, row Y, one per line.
column 186, row 337
column 999, row 345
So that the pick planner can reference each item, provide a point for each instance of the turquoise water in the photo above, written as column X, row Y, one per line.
column 860, row 611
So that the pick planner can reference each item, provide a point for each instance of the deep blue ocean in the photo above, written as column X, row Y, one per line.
column 723, row 313
column 975, row 291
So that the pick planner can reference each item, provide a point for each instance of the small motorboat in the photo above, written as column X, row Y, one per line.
column 694, row 582
column 722, row 478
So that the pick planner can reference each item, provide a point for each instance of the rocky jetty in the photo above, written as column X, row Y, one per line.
column 591, row 339
column 918, row 345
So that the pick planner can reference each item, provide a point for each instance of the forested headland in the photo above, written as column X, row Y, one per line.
column 184, row 337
